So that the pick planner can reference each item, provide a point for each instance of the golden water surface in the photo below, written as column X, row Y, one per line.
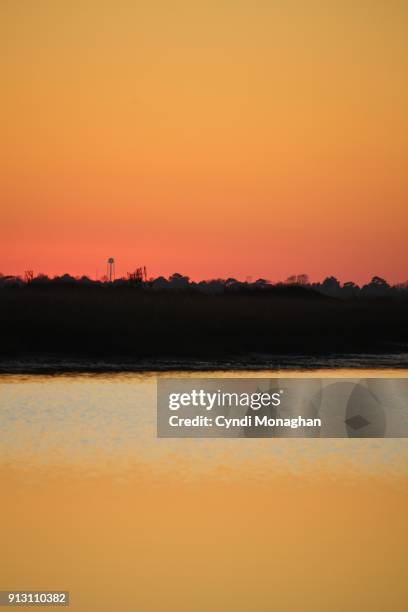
column 92, row 502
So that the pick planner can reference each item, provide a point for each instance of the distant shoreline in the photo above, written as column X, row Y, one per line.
column 62, row 329
column 57, row 365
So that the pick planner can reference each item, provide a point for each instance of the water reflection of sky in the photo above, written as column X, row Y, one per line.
column 100, row 422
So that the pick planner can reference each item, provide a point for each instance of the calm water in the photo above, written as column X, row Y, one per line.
column 94, row 503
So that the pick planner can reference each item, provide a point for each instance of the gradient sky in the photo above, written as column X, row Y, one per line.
column 212, row 137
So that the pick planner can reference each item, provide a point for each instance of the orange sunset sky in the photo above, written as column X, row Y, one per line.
column 207, row 137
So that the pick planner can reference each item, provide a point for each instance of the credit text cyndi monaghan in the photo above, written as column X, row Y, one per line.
column 246, row 421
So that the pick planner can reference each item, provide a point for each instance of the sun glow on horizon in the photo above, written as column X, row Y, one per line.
column 216, row 139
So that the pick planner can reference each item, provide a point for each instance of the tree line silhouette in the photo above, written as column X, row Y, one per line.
column 330, row 286
column 137, row 320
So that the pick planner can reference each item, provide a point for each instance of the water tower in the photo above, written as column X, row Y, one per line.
column 111, row 269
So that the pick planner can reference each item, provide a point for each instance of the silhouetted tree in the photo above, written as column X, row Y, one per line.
column 302, row 279
column 136, row 276
column 350, row 289
column 379, row 282
column 178, row 281
column 28, row 276
column 377, row 286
